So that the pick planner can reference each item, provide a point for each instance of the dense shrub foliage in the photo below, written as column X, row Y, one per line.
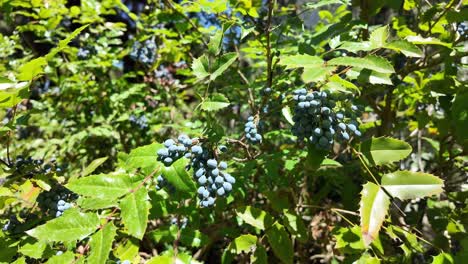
column 225, row 131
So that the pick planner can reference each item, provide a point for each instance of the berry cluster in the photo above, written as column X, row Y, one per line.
column 211, row 175
column 144, row 52
column 85, row 52
column 141, row 121
column 161, row 182
column 29, row 166
column 11, row 225
column 251, row 131
column 56, row 201
column 321, row 120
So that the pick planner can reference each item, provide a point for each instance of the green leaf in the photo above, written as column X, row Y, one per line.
column 163, row 260
column 214, row 47
column 33, row 249
column 411, row 185
column 64, row 43
column 279, row 241
column 368, row 76
column 134, row 212
column 320, row 3
column 243, row 243
column 427, row 41
column 259, row 256
column 336, row 83
column 373, row 208
column 93, row 166
column 224, row 62
column 379, row 37
column 144, row 158
column 443, row 258
column 385, row 150
column 127, row 250
column 318, row 74
column 90, row 203
column 370, row 62
column 66, row 258
column 13, row 94
column 286, row 111
column 215, row 103
column 32, row 69
column 104, row 186
column 367, row 259
column 460, row 118
column 200, row 67
column 405, row 47
column 301, row 61
column 295, row 225
column 255, row 217
column 101, row 243
column 72, row 225
column 354, row 47
column 178, row 176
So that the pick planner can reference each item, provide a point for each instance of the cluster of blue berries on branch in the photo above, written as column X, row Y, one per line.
column 209, row 173
column 144, row 52
column 322, row 117
column 56, row 201
column 141, row 122
column 252, row 132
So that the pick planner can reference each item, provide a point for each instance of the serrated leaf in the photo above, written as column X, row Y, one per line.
column 385, row 150
column 66, row 258
column 31, row 69
column 72, row 225
column 11, row 97
column 378, row 37
column 301, row 61
column 178, row 176
column 411, row 185
column 405, row 47
column 134, row 212
column 427, row 41
column 144, row 158
column 64, row 43
column 318, row 74
column 280, row 242
column 443, row 258
column 372, row 210
column 368, row 76
column 127, row 250
column 255, row 217
column 354, row 47
column 214, row 47
column 370, row 62
column 93, row 166
column 200, row 67
column 244, row 243
column 33, row 249
column 259, row 256
column 224, row 62
column 101, row 243
column 286, row 111
column 90, row 203
column 104, row 186
column 213, row 106
column 336, row 83
column 295, row 225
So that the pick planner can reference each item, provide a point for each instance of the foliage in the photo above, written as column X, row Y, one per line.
column 233, row 131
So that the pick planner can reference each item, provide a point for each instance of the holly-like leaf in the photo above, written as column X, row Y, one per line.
column 72, row 225
column 280, row 242
column 178, row 176
column 301, row 61
column 104, row 186
column 243, row 243
column 215, row 103
column 127, row 250
column 33, row 248
column 93, row 166
column 32, row 69
column 318, row 74
column 143, row 158
column 224, row 62
column 373, row 208
column 385, row 150
column 427, row 41
column 255, row 217
column 411, row 185
column 101, row 243
column 378, row 37
column 134, row 211
column 66, row 258
column 405, row 47
column 370, row 62
column 200, row 67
